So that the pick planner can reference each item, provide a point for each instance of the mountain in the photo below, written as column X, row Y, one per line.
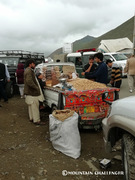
column 78, row 44
column 124, row 30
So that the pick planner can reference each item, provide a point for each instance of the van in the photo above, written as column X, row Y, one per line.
column 73, row 57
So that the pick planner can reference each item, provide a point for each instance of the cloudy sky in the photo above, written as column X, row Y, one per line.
column 45, row 25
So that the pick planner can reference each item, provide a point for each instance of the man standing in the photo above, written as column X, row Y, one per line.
column 116, row 79
column 33, row 93
column 130, row 70
column 4, row 76
column 101, row 72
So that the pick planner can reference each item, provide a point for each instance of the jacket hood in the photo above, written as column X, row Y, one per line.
column 20, row 66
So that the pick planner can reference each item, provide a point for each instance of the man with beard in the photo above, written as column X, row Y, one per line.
column 33, row 93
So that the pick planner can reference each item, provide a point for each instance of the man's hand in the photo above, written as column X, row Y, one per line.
column 91, row 64
column 83, row 73
column 111, row 82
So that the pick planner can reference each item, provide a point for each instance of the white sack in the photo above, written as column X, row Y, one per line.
column 65, row 136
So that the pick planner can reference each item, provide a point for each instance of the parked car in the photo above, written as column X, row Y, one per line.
column 120, row 125
column 11, row 58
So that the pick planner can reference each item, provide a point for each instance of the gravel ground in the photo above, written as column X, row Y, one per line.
column 26, row 152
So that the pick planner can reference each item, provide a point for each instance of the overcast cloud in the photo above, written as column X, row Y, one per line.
column 45, row 25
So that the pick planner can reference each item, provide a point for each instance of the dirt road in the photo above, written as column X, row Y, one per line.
column 26, row 152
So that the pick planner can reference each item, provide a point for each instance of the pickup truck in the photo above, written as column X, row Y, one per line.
column 87, row 103
column 120, row 125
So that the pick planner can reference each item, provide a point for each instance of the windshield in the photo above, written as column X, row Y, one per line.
column 119, row 57
column 9, row 61
column 86, row 59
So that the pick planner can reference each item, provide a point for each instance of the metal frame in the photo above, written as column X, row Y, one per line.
column 23, row 54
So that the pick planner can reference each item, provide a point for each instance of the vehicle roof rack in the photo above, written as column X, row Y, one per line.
column 23, row 54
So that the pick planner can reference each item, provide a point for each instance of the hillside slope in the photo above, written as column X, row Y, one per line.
column 124, row 30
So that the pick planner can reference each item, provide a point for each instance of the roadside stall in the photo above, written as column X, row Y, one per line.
column 65, row 90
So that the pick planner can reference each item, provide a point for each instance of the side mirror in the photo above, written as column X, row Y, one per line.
column 104, row 96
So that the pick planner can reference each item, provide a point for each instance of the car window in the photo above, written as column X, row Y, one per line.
column 9, row 61
column 107, row 57
column 119, row 57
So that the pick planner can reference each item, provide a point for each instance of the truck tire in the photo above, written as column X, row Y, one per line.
column 128, row 155
column 9, row 89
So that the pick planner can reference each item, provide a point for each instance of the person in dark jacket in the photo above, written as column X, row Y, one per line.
column 20, row 78
column 101, row 72
column 3, row 79
column 109, row 66
column 91, row 66
column 40, row 80
column 42, row 85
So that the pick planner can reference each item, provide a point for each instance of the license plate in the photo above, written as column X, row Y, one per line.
column 89, row 109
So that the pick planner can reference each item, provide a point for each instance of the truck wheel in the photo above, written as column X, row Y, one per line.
column 128, row 155
column 9, row 89
column 54, row 107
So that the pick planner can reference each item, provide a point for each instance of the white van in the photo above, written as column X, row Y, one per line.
column 119, row 58
column 73, row 57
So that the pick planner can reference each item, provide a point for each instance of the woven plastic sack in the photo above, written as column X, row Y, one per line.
column 65, row 135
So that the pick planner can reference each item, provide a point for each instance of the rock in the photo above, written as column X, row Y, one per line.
column 94, row 159
column 45, row 171
column 118, row 157
column 23, row 176
column 42, row 171
column 32, row 178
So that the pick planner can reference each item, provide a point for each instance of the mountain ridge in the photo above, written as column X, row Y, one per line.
column 121, row 31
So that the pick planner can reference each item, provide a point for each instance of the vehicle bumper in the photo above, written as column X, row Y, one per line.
column 105, row 135
column 90, row 124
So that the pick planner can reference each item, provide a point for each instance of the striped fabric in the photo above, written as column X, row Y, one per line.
column 116, row 74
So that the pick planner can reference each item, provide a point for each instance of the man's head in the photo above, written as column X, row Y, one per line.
column 98, row 57
column 91, row 59
column 39, row 76
column 109, row 63
column 30, row 63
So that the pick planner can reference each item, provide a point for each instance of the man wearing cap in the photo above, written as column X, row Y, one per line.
column 33, row 93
